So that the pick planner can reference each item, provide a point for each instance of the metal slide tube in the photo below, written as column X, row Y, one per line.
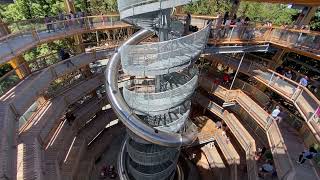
column 125, row 114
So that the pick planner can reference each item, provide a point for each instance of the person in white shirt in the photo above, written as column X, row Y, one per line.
column 274, row 115
column 275, row 112
column 218, row 124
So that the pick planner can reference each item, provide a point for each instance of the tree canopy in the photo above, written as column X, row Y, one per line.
column 261, row 12
column 315, row 22
column 276, row 13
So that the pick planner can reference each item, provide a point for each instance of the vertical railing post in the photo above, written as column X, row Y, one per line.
column 111, row 19
column 313, row 115
column 295, row 96
column 234, row 78
column 231, row 33
column 250, row 66
column 300, row 34
column 270, row 80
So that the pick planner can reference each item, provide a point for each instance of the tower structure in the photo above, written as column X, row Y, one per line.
column 155, row 103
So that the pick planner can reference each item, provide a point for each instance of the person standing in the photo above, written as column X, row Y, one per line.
column 225, row 17
column 280, row 70
column 72, row 18
column 274, row 115
column 187, row 24
column 62, row 54
column 61, row 20
column 304, row 81
column 288, row 74
column 48, row 23
column 79, row 18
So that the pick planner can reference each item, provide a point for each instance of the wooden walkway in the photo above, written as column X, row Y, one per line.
column 282, row 157
column 227, row 149
column 16, row 44
column 301, row 97
column 242, row 135
column 16, row 101
column 50, row 118
column 207, row 130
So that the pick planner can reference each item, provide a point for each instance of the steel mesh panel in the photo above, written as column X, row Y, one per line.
column 149, row 102
column 149, row 155
column 159, row 58
column 126, row 4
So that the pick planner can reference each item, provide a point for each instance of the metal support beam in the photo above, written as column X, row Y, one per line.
column 236, row 49
column 307, row 16
column 235, row 76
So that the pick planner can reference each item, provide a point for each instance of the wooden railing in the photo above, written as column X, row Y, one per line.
column 242, row 135
column 301, row 40
column 283, row 162
column 11, row 79
column 303, row 99
column 37, row 31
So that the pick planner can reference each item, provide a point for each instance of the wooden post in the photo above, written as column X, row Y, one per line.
column 18, row 63
column 21, row 66
column 308, row 15
column 69, row 6
column 234, row 8
column 277, row 59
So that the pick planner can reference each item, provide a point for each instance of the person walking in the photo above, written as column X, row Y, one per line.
column 274, row 115
column 61, row 20
column 225, row 17
column 62, row 54
column 303, row 82
column 48, row 23
column 309, row 154
column 187, row 24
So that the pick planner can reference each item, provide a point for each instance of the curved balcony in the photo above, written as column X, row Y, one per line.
column 148, row 103
column 163, row 57
column 18, row 101
column 30, row 33
column 150, row 154
column 159, row 172
column 137, row 7
column 285, row 167
column 306, row 103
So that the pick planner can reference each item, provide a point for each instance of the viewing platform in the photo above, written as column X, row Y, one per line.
column 61, row 115
column 283, row 157
column 305, row 102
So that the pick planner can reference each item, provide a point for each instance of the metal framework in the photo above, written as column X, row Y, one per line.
column 155, row 103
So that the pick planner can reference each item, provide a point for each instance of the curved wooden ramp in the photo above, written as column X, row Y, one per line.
column 16, row 43
column 230, row 154
column 242, row 135
column 284, row 165
column 301, row 97
column 216, row 163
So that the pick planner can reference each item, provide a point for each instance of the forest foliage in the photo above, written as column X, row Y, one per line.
column 258, row 12
column 27, row 9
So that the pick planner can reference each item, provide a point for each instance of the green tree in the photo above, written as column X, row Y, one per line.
column 208, row 7
column 261, row 12
column 28, row 9
column 315, row 21
column 103, row 6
